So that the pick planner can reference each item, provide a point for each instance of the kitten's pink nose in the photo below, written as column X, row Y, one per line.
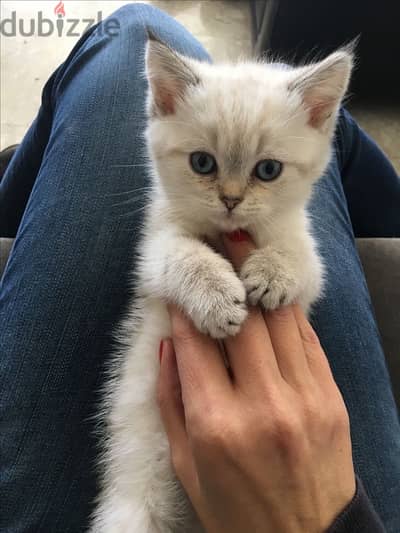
column 231, row 201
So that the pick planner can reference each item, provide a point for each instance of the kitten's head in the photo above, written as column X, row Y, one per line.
column 240, row 144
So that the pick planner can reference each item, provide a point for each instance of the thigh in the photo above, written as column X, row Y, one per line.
column 370, row 183
column 345, row 323
column 68, row 278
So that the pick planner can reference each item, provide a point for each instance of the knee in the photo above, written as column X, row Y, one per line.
column 125, row 26
column 137, row 16
column 105, row 64
column 135, row 19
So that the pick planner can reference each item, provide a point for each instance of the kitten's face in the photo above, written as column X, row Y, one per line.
column 235, row 145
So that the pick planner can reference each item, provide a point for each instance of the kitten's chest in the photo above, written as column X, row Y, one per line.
column 215, row 241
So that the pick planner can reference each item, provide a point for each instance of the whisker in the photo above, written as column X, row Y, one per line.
column 131, row 213
column 131, row 191
column 130, row 166
column 129, row 201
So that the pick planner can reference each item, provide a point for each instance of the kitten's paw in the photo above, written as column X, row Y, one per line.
column 221, row 311
column 269, row 279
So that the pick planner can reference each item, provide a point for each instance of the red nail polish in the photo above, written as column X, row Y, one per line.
column 238, row 236
column 160, row 350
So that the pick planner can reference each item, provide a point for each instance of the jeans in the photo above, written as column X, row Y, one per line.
column 72, row 198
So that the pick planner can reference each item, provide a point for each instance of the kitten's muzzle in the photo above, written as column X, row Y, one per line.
column 231, row 201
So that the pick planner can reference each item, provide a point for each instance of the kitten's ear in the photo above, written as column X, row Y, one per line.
column 323, row 85
column 169, row 75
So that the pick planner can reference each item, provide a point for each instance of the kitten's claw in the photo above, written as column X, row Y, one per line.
column 269, row 280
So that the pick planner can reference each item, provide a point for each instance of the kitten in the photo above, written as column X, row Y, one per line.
column 231, row 146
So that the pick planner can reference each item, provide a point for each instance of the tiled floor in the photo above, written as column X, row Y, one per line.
column 223, row 26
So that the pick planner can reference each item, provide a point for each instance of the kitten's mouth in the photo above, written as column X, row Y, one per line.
column 228, row 221
column 233, row 216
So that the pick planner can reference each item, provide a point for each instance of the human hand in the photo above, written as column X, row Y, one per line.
column 266, row 446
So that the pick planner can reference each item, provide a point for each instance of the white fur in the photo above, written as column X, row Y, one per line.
column 241, row 114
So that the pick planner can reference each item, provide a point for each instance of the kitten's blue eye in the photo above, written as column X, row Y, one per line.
column 203, row 163
column 268, row 169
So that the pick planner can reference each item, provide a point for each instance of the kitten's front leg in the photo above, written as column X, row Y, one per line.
column 186, row 271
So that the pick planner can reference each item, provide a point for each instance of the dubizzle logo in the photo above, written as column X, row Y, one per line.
column 65, row 27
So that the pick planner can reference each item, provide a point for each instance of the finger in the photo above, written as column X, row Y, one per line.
column 251, row 355
column 288, row 346
column 169, row 395
column 250, row 352
column 173, row 415
column 202, row 372
column 315, row 355
column 238, row 246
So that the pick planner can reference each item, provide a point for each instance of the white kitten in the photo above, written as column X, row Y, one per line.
column 232, row 146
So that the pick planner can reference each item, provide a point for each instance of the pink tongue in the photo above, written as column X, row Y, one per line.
column 238, row 235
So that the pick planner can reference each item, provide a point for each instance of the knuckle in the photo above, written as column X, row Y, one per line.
column 182, row 326
column 338, row 426
column 195, row 419
column 340, row 418
column 281, row 314
column 328, row 417
column 312, row 409
column 286, row 431
column 183, row 330
column 308, row 335
column 212, row 434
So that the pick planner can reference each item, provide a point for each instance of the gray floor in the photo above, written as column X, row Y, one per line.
column 223, row 26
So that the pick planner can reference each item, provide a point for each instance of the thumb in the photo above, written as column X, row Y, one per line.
column 238, row 245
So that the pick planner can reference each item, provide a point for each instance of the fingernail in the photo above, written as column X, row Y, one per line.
column 238, row 236
column 160, row 350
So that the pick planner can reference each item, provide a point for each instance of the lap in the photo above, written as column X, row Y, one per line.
column 68, row 279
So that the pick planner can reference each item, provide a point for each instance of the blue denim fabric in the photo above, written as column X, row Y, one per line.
column 66, row 284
